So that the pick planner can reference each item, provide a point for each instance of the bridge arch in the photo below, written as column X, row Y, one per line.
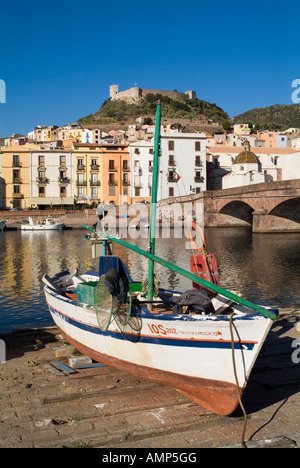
column 288, row 209
column 237, row 212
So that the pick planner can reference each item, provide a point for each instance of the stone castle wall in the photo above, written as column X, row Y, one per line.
column 135, row 94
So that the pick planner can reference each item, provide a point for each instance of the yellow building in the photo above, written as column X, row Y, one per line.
column 15, row 172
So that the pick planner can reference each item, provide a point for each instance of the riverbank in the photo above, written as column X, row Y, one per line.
column 101, row 407
column 72, row 219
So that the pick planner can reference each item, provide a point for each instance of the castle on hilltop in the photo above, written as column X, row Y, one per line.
column 135, row 94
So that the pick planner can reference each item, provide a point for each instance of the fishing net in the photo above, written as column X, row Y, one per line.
column 108, row 307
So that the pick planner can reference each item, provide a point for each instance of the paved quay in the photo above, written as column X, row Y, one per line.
column 43, row 407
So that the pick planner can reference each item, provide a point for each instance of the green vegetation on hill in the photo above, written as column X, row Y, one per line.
column 120, row 111
column 276, row 117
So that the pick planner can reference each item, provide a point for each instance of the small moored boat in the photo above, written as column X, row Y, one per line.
column 48, row 224
column 203, row 342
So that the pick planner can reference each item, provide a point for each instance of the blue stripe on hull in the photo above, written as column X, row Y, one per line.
column 158, row 340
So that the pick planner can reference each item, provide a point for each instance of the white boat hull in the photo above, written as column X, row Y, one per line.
column 2, row 225
column 42, row 227
column 192, row 353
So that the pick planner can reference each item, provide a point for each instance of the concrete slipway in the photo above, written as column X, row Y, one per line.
column 102, row 407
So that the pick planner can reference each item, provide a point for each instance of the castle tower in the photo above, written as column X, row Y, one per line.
column 113, row 90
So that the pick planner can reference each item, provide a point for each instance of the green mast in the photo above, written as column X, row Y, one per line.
column 153, row 203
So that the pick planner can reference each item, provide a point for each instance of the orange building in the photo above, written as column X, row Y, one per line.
column 115, row 174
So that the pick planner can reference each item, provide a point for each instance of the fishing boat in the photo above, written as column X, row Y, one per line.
column 2, row 225
column 203, row 342
column 47, row 224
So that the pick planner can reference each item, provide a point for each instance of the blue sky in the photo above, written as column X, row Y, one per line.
column 59, row 58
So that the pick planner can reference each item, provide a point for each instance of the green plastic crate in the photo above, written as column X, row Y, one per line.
column 87, row 292
column 135, row 287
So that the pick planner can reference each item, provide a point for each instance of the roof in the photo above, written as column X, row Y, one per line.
column 257, row 150
column 246, row 157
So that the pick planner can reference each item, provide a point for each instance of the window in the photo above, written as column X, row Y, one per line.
column 62, row 191
column 80, row 192
column 125, row 165
column 171, row 160
column 16, row 175
column 16, row 189
column 171, row 191
column 171, row 175
column 94, row 192
column 111, row 164
column 125, row 179
column 80, row 178
column 197, row 161
column 94, row 162
column 16, row 160
column 94, row 178
column 42, row 191
column 197, row 146
column 41, row 160
column 111, row 190
column 111, row 179
column 137, row 191
column 79, row 162
column 62, row 160
column 171, row 145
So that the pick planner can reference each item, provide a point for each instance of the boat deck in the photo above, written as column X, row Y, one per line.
column 101, row 407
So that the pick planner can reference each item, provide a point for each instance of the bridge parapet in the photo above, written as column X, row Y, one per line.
column 267, row 207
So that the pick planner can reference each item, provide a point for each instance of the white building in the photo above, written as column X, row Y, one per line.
column 236, row 166
column 87, row 136
column 51, row 178
column 182, row 165
column 141, row 165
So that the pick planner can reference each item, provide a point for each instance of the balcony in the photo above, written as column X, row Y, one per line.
column 171, row 179
column 42, row 180
column 198, row 163
column 198, row 179
column 95, row 183
column 81, row 183
column 17, row 164
column 80, row 167
column 95, row 167
column 172, row 163
column 17, row 180
column 63, row 180
column 17, row 195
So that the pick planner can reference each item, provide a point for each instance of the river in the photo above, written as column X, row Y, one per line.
column 264, row 268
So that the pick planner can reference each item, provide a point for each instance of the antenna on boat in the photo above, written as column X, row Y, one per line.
column 153, row 202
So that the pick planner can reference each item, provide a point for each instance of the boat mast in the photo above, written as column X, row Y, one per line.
column 153, row 203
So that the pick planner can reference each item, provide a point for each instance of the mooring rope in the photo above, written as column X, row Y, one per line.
column 237, row 382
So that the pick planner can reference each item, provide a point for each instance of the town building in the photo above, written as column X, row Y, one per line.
column 88, row 171
column 141, row 169
column 240, row 166
column 51, row 179
column 15, row 176
column 115, row 174
column 182, row 164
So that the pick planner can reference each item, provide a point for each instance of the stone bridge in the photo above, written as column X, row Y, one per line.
column 267, row 207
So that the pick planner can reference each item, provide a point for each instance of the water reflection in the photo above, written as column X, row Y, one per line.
column 263, row 268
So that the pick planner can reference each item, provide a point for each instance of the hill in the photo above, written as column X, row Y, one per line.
column 119, row 111
column 277, row 117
